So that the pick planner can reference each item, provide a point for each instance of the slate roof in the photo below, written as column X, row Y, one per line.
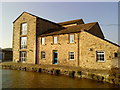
column 70, row 29
column 71, row 22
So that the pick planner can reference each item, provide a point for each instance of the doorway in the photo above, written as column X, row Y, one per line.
column 55, row 57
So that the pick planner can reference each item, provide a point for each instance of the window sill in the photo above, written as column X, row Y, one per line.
column 71, row 43
column 23, row 49
column 55, row 44
column 23, row 35
column 101, row 61
column 71, row 59
column 43, row 44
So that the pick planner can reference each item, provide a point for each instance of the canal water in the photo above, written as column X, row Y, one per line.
column 23, row 79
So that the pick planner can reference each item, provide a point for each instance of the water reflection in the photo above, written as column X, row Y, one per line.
column 23, row 79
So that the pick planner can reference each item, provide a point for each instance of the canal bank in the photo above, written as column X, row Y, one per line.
column 110, row 76
column 23, row 79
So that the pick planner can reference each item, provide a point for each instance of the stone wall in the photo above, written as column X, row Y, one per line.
column 85, row 51
column 43, row 26
column 31, row 37
column 88, row 57
column 63, row 47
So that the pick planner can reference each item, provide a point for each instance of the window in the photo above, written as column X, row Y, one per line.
column 71, row 55
column 24, row 29
column 43, row 41
column 115, row 54
column 23, row 44
column 100, row 56
column 71, row 38
column 42, row 55
column 23, row 55
column 55, row 40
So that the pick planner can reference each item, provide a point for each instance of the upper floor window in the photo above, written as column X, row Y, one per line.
column 43, row 41
column 71, row 55
column 23, row 44
column 100, row 56
column 23, row 28
column 55, row 39
column 42, row 55
column 71, row 37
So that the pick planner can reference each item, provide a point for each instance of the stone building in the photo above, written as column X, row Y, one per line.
column 71, row 43
column 6, row 54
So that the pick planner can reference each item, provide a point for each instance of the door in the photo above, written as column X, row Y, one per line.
column 55, row 57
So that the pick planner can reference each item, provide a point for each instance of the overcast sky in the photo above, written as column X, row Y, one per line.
column 105, row 13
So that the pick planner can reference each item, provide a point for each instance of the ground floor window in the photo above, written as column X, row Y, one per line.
column 23, row 55
column 71, row 55
column 42, row 55
column 100, row 56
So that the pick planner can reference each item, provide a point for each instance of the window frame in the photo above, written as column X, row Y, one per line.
column 70, row 55
column 70, row 38
column 23, row 46
column 42, row 38
column 54, row 40
column 22, row 31
column 42, row 55
column 22, row 56
column 99, row 60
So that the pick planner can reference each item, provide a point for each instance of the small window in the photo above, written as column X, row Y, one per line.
column 71, row 55
column 115, row 55
column 100, row 56
column 71, row 38
column 43, row 41
column 55, row 40
column 42, row 55
column 23, row 28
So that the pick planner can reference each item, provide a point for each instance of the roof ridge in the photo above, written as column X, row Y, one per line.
column 37, row 17
column 82, row 24
column 71, row 20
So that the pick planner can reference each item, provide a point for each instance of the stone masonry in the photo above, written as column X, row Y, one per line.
column 88, row 39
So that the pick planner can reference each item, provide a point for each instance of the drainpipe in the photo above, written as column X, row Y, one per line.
column 78, row 48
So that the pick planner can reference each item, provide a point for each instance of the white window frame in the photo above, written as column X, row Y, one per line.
column 23, row 56
column 43, row 55
column 23, row 43
column 24, row 28
column 71, row 38
column 55, row 39
column 70, row 55
column 100, row 54
column 43, row 40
